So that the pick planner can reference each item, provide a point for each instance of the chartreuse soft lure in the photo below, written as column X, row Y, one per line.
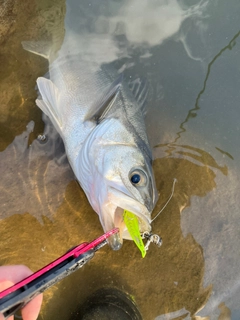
column 131, row 222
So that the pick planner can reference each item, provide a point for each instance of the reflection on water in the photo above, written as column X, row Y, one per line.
column 36, row 174
column 182, row 50
column 192, row 113
column 195, row 155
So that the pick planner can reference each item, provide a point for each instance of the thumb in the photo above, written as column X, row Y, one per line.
column 4, row 285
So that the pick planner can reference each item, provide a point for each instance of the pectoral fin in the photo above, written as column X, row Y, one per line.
column 102, row 106
column 40, row 48
column 49, row 103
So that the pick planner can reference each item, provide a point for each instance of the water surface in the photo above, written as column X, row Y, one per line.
column 190, row 54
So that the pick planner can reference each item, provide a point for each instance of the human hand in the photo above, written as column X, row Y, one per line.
column 9, row 275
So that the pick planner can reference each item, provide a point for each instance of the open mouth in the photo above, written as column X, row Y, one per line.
column 119, row 223
column 119, row 203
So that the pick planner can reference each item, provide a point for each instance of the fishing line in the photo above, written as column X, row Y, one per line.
column 173, row 186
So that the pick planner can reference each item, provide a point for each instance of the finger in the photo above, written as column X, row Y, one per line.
column 14, row 273
column 32, row 309
column 2, row 317
column 4, row 285
column 10, row 275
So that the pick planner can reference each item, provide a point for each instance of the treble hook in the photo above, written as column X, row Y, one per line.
column 154, row 238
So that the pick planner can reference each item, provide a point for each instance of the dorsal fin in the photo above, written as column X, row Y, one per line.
column 140, row 89
column 101, row 107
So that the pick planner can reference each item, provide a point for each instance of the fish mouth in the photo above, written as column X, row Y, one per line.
column 117, row 203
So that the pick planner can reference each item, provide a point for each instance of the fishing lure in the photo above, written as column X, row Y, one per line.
column 131, row 222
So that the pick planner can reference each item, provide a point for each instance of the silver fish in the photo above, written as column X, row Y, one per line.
column 101, row 122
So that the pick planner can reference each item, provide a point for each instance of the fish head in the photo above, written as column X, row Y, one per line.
column 127, row 183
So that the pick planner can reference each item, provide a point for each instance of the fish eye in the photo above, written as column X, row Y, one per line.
column 138, row 178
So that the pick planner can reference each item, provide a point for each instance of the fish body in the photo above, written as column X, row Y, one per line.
column 101, row 122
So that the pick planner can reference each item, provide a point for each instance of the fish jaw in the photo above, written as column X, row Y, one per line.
column 111, row 216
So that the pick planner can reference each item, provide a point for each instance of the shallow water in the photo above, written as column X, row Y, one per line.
column 190, row 54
